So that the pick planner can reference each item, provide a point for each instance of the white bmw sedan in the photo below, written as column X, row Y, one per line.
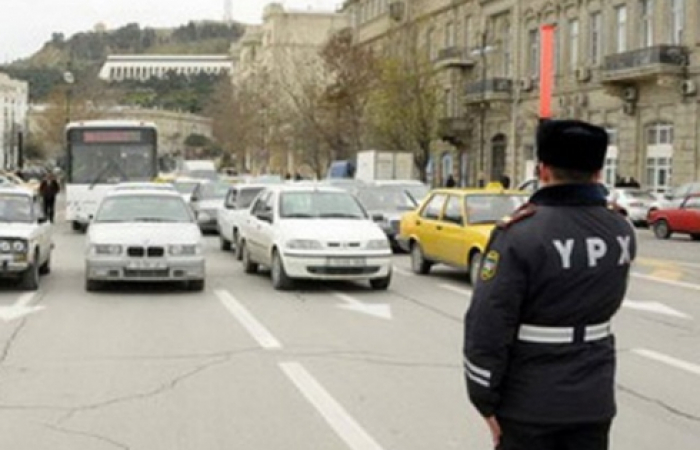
column 144, row 236
column 314, row 232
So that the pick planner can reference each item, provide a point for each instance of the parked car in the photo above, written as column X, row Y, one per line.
column 684, row 219
column 453, row 226
column 25, row 237
column 186, row 186
column 677, row 196
column 636, row 202
column 206, row 202
column 386, row 205
column 416, row 189
column 144, row 236
column 234, row 211
column 314, row 232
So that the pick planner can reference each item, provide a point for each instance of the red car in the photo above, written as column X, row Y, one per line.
column 684, row 219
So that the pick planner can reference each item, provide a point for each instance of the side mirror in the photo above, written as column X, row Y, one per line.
column 377, row 217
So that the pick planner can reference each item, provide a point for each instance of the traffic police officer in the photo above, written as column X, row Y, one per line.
column 539, row 355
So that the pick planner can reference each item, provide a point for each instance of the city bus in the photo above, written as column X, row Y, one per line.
column 101, row 154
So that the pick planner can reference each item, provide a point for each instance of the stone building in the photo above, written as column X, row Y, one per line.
column 14, row 100
column 629, row 65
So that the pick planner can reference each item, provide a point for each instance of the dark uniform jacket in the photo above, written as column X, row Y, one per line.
column 49, row 189
column 562, row 260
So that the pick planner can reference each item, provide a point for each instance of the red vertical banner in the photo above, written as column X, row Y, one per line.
column 546, row 70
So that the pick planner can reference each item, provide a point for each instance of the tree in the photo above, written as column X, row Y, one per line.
column 405, row 106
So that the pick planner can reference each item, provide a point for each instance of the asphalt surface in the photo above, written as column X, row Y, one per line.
column 329, row 367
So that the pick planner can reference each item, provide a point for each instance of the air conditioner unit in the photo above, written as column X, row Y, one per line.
column 527, row 84
column 628, row 108
column 396, row 11
column 630, row 94
column 689, row 87
column 583, row 74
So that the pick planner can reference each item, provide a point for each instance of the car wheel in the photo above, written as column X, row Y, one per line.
column 45, row 268
column 418, row 262
column 474, row 267
column 196, row 285
column 225, row 244
column 661, row 229
column 380, row 284
column 236, row 242
column 30, row 277
column 249, row 266
column 92, row 285
column 280, row 279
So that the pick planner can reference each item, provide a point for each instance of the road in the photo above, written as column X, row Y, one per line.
column 329, row 367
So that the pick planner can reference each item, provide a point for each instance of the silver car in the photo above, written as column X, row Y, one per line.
column 637, row 203
column 144, row 236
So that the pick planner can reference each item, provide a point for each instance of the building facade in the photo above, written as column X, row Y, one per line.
column 14, row 100
column 278, row 60
column 629, row 65
column 144, row 67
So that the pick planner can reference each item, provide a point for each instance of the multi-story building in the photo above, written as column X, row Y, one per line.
column 143, row 67
column 629, row 65
column 276, row 60
column 14, row 98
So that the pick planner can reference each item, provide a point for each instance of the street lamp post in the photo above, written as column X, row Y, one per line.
column 69, row 79
column 482, row 51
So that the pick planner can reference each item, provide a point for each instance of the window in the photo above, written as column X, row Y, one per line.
column 573, row 43
column 621, row 27
column 449, row 35
column 467, row 33
column 647, row 19
column 610, row 169
column 429, row 44
column 659, row 174
column 660, row 134
column 434, row 207
column 507, row 55
column 534, row 51
column 596, row 37
column 453, row 210
column 676, row 25
column 659, row 156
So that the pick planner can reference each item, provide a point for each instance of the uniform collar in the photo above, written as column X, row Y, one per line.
column 570, row 194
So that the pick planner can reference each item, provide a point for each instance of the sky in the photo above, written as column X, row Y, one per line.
column 25, row 25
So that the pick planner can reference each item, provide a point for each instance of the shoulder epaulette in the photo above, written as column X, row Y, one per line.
column 612, row 206
column 525, row 211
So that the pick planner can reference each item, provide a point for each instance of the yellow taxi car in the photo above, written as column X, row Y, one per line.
column 453, row 226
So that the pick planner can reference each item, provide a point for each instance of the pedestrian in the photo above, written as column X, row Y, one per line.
column 539, row 354
column 505, row 181
column 48, row 190
column 450, row 183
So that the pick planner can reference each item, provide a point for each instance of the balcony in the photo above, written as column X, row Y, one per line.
column 453, row 129
column 491, row 89
column 644, row 64
column 453, row 57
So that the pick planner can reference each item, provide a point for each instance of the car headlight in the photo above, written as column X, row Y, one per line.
column 19, row 247
column 185, row 250
column 107, row 250
column 378, row 244
column 304, row 244
column 5, row 246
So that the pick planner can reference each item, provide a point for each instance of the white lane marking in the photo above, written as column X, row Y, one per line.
column 20, row 308
column 682, row 284
column 654, row 307
column 456, row 289
column 250, row 323
column 668, row 360
column 381, row 311
column 402, row 272
column 354, row 436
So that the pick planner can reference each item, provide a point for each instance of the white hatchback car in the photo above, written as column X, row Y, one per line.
column 321, row 233
column 145, row 236
column 25, row 237
column 235, row 210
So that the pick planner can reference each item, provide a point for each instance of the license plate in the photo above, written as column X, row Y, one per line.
column 146, row 265
column 347, row 262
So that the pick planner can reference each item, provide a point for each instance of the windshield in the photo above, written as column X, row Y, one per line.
column 143, row 208
column 186, row 187
column 214, row 191
column 325, row 205
column 491, row 208
column 109, row 164
column 386, row 199
column 204, row 174
column 15, row 208
column 246, row 197
column 417, row 192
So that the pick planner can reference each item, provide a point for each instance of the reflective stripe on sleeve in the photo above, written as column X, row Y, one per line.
column 471, row 367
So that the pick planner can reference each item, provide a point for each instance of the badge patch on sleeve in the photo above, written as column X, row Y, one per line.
column 490, row 265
